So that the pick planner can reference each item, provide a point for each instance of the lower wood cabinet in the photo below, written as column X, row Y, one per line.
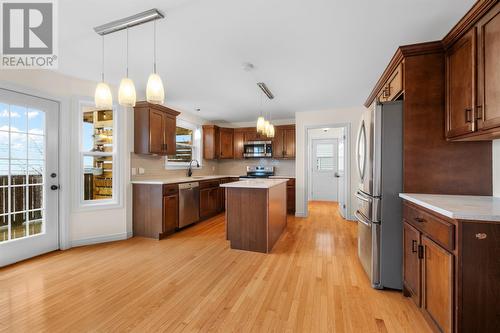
column 451, row 270
column 155, row 210
column 210, row 198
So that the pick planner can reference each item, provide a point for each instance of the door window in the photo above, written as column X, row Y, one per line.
column 22, row 165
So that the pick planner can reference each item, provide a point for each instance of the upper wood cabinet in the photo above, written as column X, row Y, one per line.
column 154, row 129
column 238, row 141
column 393, row 87
column 284, row 142
column 226, row 143
column 460, row 86
column 473, row 75
column 211, row 142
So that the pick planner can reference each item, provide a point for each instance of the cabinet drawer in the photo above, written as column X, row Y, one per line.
column 437, row 229
column 209, row 183
column 170, row 189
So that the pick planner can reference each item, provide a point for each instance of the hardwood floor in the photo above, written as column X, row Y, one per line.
column 311, row 282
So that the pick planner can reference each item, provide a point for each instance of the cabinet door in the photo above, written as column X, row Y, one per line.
column 278, row 143
column 238, row 139
column 204, row 202
column 461, row 86
column 289, row 143
column 156, row 132
column 290, row 200
column 210, row 142
column 170, row 213
column 489, row 69
column 222, row 201
column 226, row 143
column 437, row 284
column 251, row 135
column 214, row 200
column 411, row 262
column 170, row 133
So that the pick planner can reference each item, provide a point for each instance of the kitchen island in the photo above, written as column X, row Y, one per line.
column 255, row 213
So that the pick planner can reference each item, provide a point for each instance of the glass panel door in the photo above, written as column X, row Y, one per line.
column 28, row 150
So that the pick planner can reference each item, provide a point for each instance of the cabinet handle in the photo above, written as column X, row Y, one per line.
column 387, row 91
column 419, row 219
column 420, row 252
column 481, row 236
column 414, row 247
column 479, row 113
column 468, row 115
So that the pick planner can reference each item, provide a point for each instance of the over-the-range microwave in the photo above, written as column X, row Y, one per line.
column 258, row 149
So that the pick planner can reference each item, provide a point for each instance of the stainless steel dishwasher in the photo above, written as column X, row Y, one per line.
column 189, row 203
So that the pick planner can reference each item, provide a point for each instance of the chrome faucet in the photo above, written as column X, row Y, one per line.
column 190, row 169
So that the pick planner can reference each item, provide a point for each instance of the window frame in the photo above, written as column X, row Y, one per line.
column 115, row 201
column 197, row 147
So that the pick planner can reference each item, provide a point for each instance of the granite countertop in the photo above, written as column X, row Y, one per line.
column 255, row 183
column 459, row 207
column 162, row 181
column 281, row 177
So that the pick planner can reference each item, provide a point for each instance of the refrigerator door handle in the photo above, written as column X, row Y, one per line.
column 362, row 219
column 362, row 197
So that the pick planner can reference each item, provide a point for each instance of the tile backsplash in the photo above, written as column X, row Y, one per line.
column 154, row 167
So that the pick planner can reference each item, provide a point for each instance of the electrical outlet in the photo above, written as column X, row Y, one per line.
column 141, row 171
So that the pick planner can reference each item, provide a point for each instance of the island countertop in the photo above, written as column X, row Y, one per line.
column 255, row 183
column 459, row 207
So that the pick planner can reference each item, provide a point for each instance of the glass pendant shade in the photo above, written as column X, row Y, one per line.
column 154, row 90
column 266, row 127
column 103, row 98
column 271, row 131
column 126, row 93
column 260, row 124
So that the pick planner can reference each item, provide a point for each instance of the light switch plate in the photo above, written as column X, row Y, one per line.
column 134, row 171
column 141, row 171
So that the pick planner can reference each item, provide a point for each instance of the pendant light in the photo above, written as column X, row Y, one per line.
column 154, row 89
column 271, row 126
column 260, row 120
column 103, row 98
column 126, row 92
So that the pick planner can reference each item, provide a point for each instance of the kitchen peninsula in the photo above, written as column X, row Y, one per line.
column 255, row 213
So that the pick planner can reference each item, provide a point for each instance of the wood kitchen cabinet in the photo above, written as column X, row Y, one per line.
column 284, row 142
column 472, row 79
column 238, row 141
column 226, row 143
column 154, row 129
column 210, row 198
column 217, row 142
column 222, row 190
column 155, row 210
column 450, row 270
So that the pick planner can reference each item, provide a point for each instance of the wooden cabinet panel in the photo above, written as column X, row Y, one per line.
column 154, row 129
column 170, row 214
column 437, row 274
column 211, row 142
column 289, row 142
column 411, row 262
column 226, row 143
column 290, row 200
column 480, row 277
column 157, row 132
column 170, row 140
column 393, row 86
column 238, row 140
column 252, row 135
column 489, row 70
column 278, row 142
column 209, row 202
column 460, row 86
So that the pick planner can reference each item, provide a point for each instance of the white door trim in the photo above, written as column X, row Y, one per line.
column 64, row 193
column 347, row 159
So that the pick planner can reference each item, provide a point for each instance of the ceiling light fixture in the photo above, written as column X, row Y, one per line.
column 126, row 92
column 265, row 89
column 102, row 97
column 155, row 93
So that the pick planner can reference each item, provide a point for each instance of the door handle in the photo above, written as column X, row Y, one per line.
column 337, row 175
column 362, row 198
column 362, row 219
column 54, row 187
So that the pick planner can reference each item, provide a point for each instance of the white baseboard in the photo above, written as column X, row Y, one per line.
column 101, row 239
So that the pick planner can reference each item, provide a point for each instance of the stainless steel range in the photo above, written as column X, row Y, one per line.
column 259, row 172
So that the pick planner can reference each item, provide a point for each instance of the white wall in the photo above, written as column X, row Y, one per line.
column 496, row 168
column 323, row 118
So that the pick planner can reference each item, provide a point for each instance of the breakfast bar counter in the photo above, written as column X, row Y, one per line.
column 255, row 213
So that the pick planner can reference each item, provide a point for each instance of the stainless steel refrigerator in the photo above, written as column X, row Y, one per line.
column 379, row 160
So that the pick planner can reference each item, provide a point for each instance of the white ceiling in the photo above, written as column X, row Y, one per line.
column 313, row 54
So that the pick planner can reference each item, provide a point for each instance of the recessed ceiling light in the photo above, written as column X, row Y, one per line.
column 198, row 109
column 326, row 129
column 248, row 66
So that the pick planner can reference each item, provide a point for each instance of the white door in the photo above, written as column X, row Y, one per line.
column 28, row 176
column 341, row 175
column 324, row 185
